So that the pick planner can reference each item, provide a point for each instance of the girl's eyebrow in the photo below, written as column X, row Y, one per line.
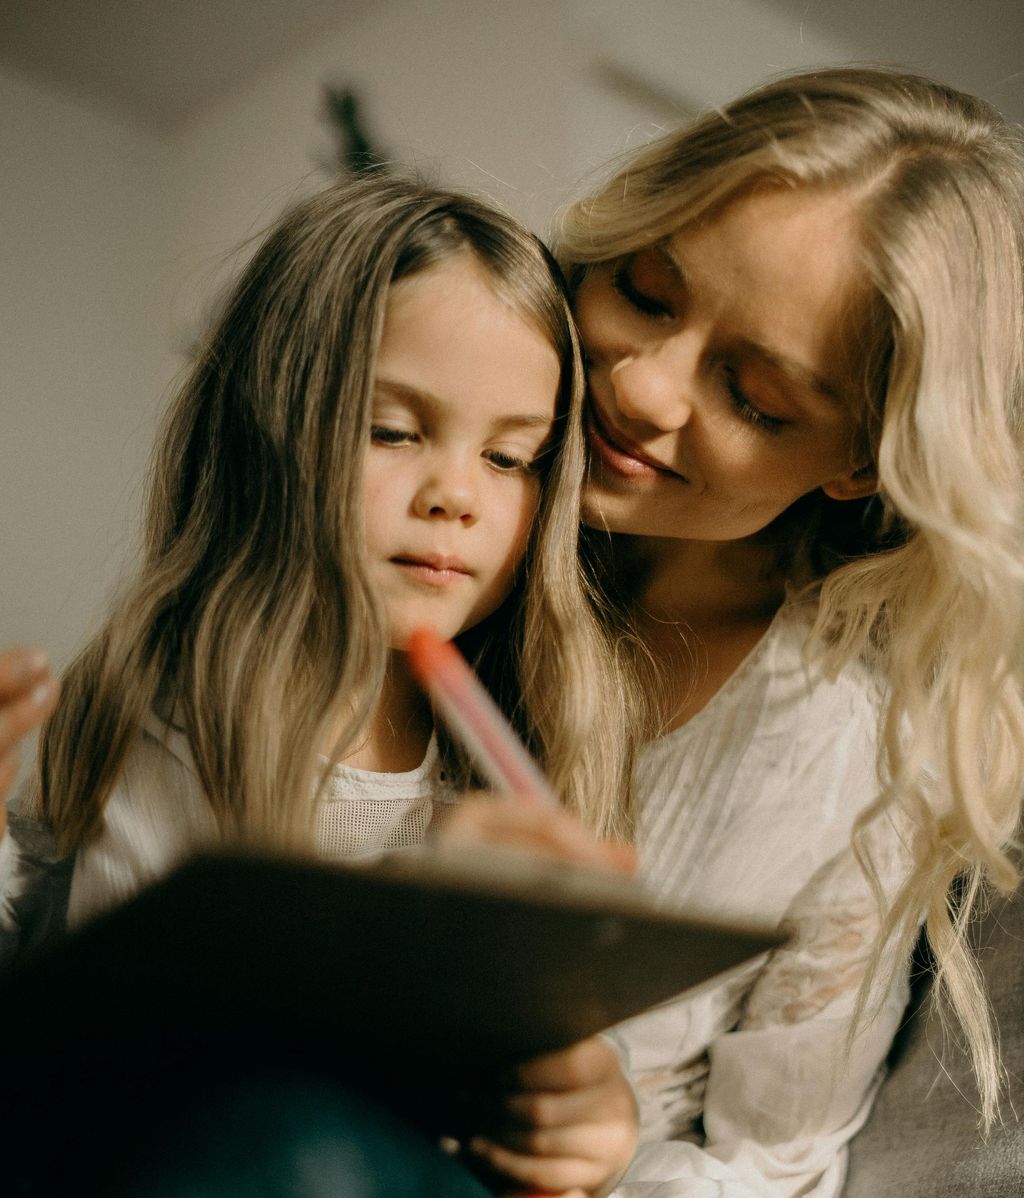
column 419, row 398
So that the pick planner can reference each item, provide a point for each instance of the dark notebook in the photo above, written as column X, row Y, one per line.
column 437, row 968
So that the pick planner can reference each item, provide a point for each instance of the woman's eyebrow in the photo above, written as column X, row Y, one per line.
column 668, row 258
column 793, row 371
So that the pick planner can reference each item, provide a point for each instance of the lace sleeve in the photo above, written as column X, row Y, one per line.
column 834, row 925
column 788, row 1086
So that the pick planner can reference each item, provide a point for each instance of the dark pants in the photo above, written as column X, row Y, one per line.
column 294, row 1137
column 133, row 1122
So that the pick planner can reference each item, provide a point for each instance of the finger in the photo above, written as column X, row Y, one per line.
column 21, row 715
column 512, row 823
column 584, row 1064
column 552, row 1109
column 548, row 1194
column 19, row 669
column 594, row 1142
column 8, row 772
column 557, row 1174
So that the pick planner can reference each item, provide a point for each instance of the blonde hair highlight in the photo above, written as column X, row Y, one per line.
column 927, row 580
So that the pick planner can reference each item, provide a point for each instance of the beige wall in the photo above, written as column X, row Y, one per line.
column 83, row 358
column 115, row 242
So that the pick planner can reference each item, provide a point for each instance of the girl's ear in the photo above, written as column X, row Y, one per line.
column 858, row 484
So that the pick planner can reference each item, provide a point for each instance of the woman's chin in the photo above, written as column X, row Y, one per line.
column 600, row 510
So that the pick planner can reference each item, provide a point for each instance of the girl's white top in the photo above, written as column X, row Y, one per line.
column 157, row 815
column 746, row 1088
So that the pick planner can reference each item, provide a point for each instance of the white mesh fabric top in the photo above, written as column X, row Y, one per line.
column 157, row 815
column 363, row 813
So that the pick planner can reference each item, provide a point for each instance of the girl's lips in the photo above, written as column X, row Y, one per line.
column 621, row 458
column 434, row 571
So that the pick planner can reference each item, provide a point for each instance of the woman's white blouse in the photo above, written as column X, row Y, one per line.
column 752, row 1087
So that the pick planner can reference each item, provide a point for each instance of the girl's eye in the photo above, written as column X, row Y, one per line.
column 381, row 435
column 510, row 463
column 747, row 411
column 623, row 283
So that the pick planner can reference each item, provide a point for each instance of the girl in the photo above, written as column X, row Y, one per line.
column 383, row 430
column 382, row 422
column 804, row 323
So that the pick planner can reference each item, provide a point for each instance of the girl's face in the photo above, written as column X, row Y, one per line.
column 465, row 399
column 719, row 374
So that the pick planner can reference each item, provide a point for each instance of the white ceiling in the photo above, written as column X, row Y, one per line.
column 976, row 45
column 157, row 63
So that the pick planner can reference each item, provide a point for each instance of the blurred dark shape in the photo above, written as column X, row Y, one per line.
column 356, row 153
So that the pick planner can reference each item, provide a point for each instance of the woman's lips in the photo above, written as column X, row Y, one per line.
column 620, row 456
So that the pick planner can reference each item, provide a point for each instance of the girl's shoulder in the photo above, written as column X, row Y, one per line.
column 155, row 815
column 154, row 810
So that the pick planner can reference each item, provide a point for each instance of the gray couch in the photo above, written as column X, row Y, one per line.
column 922, row 1139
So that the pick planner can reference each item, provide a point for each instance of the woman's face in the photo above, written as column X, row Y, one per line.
column 720, row 373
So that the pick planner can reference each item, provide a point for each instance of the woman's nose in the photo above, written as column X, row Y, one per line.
column 448, row 492
column 651, row 390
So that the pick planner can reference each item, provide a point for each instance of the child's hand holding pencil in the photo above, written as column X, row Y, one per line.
column 524, row 814
column 566, row 1124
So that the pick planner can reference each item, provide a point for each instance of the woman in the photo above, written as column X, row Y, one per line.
column 804, row 318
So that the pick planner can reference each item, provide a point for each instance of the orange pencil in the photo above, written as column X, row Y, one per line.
column 475, row 719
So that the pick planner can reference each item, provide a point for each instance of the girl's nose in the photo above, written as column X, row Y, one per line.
column 651, row 390
column 448, row 493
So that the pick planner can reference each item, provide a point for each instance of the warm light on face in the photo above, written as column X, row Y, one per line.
column 464, row 404
column 719, row 370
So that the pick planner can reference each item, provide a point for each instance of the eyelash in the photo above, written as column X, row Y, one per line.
column 656, row 310
column 389, row 436
column 747, row 411
column 624, row 285
column 504, row 463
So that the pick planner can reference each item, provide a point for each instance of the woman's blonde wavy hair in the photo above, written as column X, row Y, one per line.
column 928, row 578
column 251, row 615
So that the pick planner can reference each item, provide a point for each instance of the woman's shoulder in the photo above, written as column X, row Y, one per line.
column 751, row 796
column 783, row 689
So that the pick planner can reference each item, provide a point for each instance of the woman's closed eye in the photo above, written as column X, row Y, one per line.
column 648, row 303
column 746, row 409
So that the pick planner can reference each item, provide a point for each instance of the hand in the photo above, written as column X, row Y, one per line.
column 28, row 694
column 568, row 1125
column 509, row 822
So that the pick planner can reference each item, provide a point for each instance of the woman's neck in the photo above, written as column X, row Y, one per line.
column 394, row 738
column 703, row 584
column 700, row 607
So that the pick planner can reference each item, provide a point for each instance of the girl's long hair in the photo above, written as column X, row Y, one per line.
column 251, row 617
column 927, row 579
